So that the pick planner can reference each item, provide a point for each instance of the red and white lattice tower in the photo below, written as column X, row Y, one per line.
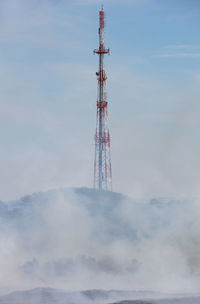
column 102, row 163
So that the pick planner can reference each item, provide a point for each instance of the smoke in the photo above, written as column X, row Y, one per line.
column 80, row 239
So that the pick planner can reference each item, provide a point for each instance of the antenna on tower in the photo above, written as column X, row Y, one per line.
column 102, row 162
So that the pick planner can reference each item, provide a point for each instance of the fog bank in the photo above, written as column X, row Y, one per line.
column 78, row 239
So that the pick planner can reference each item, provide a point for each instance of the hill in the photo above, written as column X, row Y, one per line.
column 54, row 296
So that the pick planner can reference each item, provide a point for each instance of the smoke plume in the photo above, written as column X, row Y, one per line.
column 80, row 239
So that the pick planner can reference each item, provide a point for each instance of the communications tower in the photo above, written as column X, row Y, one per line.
column 102, row 162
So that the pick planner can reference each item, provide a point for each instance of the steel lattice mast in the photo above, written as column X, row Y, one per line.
column 102, row 163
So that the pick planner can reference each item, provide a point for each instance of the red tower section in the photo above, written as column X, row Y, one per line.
column 102, row 163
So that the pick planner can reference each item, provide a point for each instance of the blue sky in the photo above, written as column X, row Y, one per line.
column 48, row 95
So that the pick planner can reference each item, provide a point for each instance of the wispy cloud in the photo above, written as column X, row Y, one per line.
column 179, row 55
column 111, row 2
column 183, row 47
column 180, row 51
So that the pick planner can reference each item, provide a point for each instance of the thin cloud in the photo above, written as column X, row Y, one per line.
column 111, row 2
column 180, row 51
column 183, row 46
column 179, row 55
